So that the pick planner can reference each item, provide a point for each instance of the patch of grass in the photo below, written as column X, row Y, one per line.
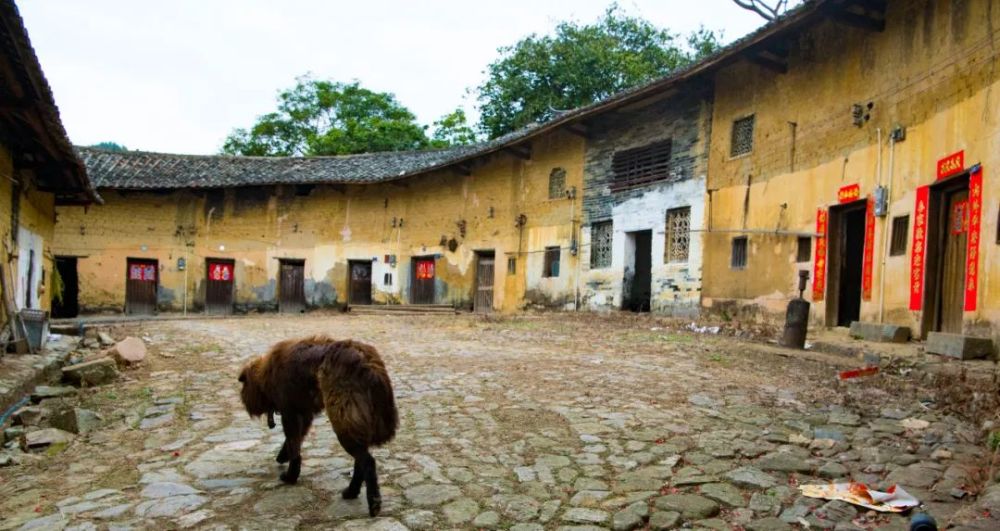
column 55, row 449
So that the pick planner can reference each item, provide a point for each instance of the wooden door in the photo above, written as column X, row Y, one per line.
column 952, row 282
column 361, row 282
column 141, row 278
column 291, row 287
column 422, row 291
column 219, row 286
column 483, row 302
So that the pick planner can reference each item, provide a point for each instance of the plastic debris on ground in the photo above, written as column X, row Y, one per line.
column 894, row 500
column 704, row 329
column 857, row 373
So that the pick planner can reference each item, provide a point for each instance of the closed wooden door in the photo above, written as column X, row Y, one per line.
column 361, row 282
column 219, row 286
column 291, row 287
column 140, row 286
column 953, row 265
column 422, row 291
column 484, row 285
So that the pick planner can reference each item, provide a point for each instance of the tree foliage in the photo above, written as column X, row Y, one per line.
column 318, row 117
column 453, row 129
column 110, row 146
column 539, row 76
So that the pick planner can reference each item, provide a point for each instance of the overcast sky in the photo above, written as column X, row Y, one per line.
column 178, row 76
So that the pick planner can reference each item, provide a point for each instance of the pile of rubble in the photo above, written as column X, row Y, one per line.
column 48, row 417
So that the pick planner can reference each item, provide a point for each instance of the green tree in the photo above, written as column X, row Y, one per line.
column 540, row 76
column 318, row 117
column 110, row 146
column 453, row 129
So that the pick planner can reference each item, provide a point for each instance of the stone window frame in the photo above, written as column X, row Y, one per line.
column 900, row 235
column 737, row 148
column 511, row 265
column 557, row 183
column 601, row 244
column 739, row 254
column 551, row 261
column 677, row 235
column 803, row 249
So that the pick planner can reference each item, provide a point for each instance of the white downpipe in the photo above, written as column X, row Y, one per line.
column 885, row 231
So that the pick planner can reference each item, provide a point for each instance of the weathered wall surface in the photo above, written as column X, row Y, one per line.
column 932, row 71
column 686, row 121
column 327, row 226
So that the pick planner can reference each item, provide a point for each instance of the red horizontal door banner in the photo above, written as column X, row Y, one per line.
column 975, row 207
column 819, row 264
column 951, row 165
column 918, row 249
column 851, row 192
column 869, row 255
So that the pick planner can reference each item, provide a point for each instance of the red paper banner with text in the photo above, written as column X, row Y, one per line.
column 951, row 165
column 819, row 265
column 221, row 272
column 917, row 250
column 851, row 192
column 975, row 206
column 869, row 256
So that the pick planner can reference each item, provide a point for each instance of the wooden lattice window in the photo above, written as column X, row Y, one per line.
column 638, row 166
column 557, row 183
column 900, row 232
column 742, row 139
column 738, row 260
column 601, row 235
column 803, row 253
column 678, row 232
column 552, row 255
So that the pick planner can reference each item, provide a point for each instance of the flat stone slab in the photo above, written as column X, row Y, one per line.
column 883, row 333
column 959, row 346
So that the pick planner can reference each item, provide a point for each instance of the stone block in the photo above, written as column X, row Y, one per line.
column 883, row 333
column 74, row 420
column 129, row 351
column 91, row 373
column 959, row 346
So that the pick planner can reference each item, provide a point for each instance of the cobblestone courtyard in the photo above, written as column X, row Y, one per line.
column 549, row 422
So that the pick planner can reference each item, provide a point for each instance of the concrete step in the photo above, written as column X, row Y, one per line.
column 959, row 346
column 402, row 309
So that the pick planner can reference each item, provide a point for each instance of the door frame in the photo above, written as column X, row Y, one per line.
column 75, row 260
column 232, row 282
column 281, row 263
column 350, row 279
column 413, row 277
column 937, row 217
column 129, row 260
column 835, row 215
column 628, row 303
column 480, row 254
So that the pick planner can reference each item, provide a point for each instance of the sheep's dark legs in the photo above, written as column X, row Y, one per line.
column 372, row 492
column 296, row 427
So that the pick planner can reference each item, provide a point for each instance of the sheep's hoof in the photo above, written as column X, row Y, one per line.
column 289, row 478
column 349, row 494
column 374, row 507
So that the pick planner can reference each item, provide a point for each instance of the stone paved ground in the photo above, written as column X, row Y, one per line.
column 551, row 422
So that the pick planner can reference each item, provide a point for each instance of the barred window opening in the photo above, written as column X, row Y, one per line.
column 739, row 256
column 742, row 139
column 601, row 235
column 511, row 266
column 557, row 183
column 642, row 165
column 552, row 255
column 678, row 238
column 804, row 251
column 900, row 232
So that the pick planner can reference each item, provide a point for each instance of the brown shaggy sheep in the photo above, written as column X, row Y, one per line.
column 298, row 378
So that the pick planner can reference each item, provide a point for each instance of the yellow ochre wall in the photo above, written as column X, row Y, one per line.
column 334, row 224
column 931, row 71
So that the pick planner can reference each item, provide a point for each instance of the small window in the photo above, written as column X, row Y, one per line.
column 900, row 233
column 638, row 166
column 678, row 235
column 601, row 235
column 742, row 139
column 387, row 279
column 739, row 256
column 511, row 266
column 557, row 183
column 804, row 251
column 551, row 262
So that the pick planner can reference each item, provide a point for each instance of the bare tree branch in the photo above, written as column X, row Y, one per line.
column 767, row 11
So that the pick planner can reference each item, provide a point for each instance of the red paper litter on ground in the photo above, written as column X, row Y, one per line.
column 893, row 500
column 857, row 373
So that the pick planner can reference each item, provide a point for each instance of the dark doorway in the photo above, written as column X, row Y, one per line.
column 69, row 304
column 637, row 287
column 219, row 273
column 845, row 263
column 483, row 301
column 947, row 243
column 423, row 275
column 291, row 286
column 141, row 280
column 361, row 282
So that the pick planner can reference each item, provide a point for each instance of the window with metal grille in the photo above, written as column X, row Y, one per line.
column 601, row 235
column 678, row 235
column 738, row 259
column 551, row 262
column 511, row 266
column 900, row 233
column 557, row 183
column 804, row 251
column 638, row 166
column 742, row 139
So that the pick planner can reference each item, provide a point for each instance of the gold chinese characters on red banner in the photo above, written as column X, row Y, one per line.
column 974, row 213
column 851, row 192
column 819, row 265
column 869, row 255
column 918, row 249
